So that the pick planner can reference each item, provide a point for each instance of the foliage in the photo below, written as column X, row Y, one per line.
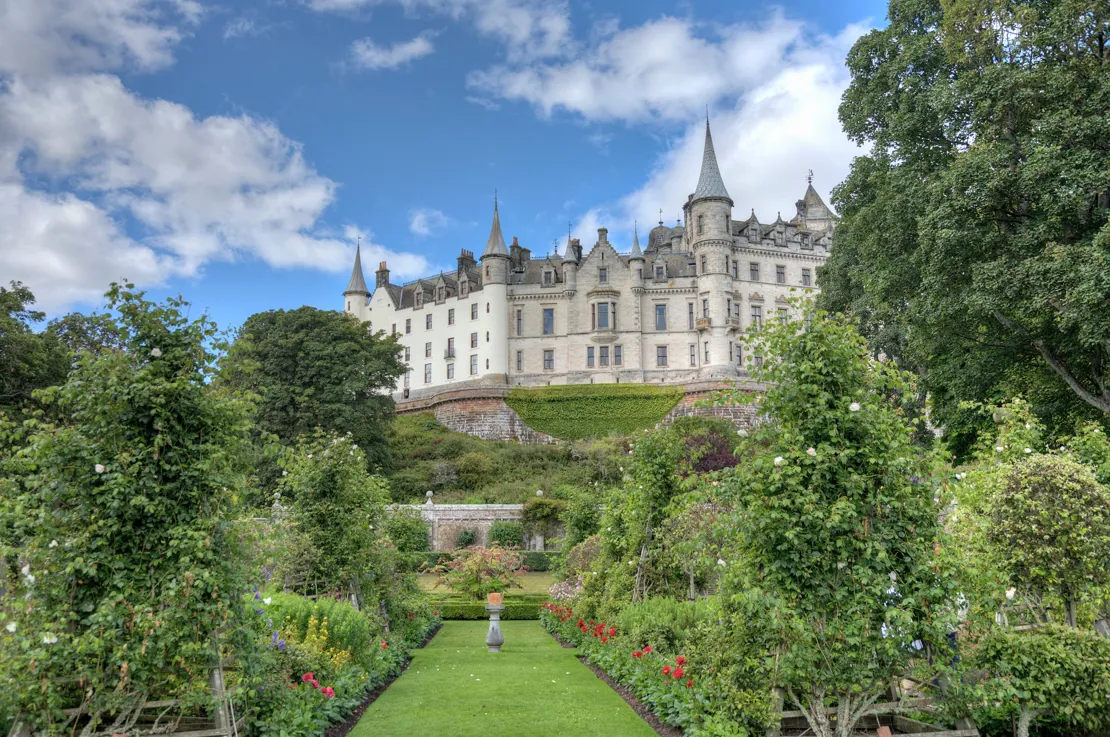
column 28, row 360
column 581, row 557
column 838, row 526
column 407, row 530
column 96, row 333
column 120, row 524
column 541, row 561
column 317, row 369
column 581, row 517
column 1050, row 525
column 467, row 536
column 541, row 513
column 334, row 623
column 575, row 412
column 506, row 534
column 478, row 571
column 457, row 609
column 974, row 236
column 474, row 469
column 339, row 507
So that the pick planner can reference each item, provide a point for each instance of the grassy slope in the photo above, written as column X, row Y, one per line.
column 532, row 687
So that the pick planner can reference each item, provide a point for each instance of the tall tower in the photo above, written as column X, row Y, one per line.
column 356, row 296
column 495, row 294
column 709, row 224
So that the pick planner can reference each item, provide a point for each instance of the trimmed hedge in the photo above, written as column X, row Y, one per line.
column 579, row 411
column 477, row 610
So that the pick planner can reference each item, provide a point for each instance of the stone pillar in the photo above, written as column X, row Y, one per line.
column 494, row 638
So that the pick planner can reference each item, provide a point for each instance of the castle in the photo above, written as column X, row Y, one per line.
column 675, row 311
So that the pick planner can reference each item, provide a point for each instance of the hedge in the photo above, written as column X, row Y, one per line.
column 456, row 609
column 536, row 560
column 579, row 411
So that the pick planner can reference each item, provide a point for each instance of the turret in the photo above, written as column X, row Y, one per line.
column 636, row 259
column 356, row 295
column 495, row 293
column 495, row 259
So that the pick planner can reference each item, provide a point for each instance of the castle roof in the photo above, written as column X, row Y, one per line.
column 710, row 183
column 357, row 284
column 495, row 246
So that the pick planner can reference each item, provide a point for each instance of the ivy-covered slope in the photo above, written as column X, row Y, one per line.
column 580, row 411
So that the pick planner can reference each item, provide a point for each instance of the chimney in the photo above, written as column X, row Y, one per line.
column 602, row 235
column 576, row 249
column 466, row 260
column 382, row 275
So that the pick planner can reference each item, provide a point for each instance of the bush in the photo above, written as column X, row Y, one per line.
column 541, row 561
column 581, row 557
column 580, row 517
column 476, row 571
column 580, row 411
column 466, row 537
column 456, row 610
column 407, row 530
column 541, row 514
column 475, row 469
column 346, row 629
column 506, row 534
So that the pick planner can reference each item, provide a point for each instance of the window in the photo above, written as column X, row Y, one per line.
column 730, row 352
column 753, row 271
column 640, row 274
column 427, row 350
column 474, row 311
column 780, row 274
column 520, row 360
column 408, row 325
column 690, row 313
column 450, row 347
column 487, row 336
column 549, row 321
column 603, row 355
column 603, row 315
column 474, row 340
column 419, row 299
column 408, row 354
column 617, row 355
column 439, row 294
column 701, row 227
column 735, row 269
column 728, row 307
column 427, row 373
column 783, row 315
column 408, row 378
column 520, row 322
column 726, row 264
column 549, row 360
column 703, row 265
column 705, row 308
column 348, row 305
column 547, row 278
column 707, row 351
column 428, row 321
column 660, row 355
column 451, row 316
column 660, row 317
column 758, row 360
column 450, row 371
column 474, row 365
column 660, row 272
column 487, row 272
column 739, row 361
column 487, row 308
column 462, row 288
column 603, row 275
column 736, row 311
column 589, row 356
column 693, row 354
column 805, row 278
column 393, row 329
column 757, row 317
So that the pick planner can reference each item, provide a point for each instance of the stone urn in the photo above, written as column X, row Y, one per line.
column 494, row 605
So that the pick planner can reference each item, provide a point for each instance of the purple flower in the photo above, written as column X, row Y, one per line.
column 266, row 573
column 261, row 612
column 281, row 645
column 257, row 596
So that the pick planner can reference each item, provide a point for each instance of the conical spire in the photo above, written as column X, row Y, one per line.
column 710, row 183
column 636, row 252
column 495, row 246
column 357, row 285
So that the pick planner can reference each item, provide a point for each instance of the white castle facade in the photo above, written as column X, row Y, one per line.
column 676, row 311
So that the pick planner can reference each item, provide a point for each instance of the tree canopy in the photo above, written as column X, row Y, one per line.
column 317, row 369
column 28, row 360
column 974, row 243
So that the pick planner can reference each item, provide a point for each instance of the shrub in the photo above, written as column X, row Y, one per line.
column 475, row 469
column 542, row 561
column 407, row 530
column 581, row 557
column 466, row 537
column 581, row 411
column 333, row 625
column 477, row 571
column 454, row 610
column 541, row 514
column 580, row 517
column 506, row 534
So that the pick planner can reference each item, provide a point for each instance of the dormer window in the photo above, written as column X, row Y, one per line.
column 419, row 299
column 462, row 288
column 439, row 294
column 660, row 272
column 547, row 278
column 603, row 275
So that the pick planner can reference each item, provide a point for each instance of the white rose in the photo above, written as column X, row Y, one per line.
column 1028, row 450
column 721, row 562
column 812, row 451
column 284, row 473
column 25, row 570
column 998, row 448
column 779, row 460
column 99, row 468
column 156, row 352
column 11, row 627
column 49, row 638
column 1010, row 593
column 53, row 544
column 854, row 406
column 267, row 600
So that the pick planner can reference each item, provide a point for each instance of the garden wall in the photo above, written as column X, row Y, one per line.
column 446, row 521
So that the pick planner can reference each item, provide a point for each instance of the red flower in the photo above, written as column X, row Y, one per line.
column 330, row 692
column 612, row 631
column 689, row 683
column 384, row 644
column 666, row 670
column 315, row 684
column 678, row 673
column 435, row 614
column 591, row 623
column 637, row 654
column 583, row 629
column 580, row 622
column 604, row 639
column 412, row 616
column 681, row 660
column 647, row 648
column 307, row 677
column 292, row 687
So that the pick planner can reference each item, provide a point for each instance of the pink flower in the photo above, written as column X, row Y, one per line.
column 307, row 677
column 666, row 670
column 329, row 692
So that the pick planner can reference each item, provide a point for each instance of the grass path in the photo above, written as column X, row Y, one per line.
column 533, row 687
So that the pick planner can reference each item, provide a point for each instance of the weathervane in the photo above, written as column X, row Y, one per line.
column 660, row 215
column 809, row 177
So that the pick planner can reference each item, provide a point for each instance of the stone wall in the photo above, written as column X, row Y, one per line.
column 490, row 419
column 696, row 404
column 446, row 521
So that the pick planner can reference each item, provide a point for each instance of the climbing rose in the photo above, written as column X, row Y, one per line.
column 779, row 460
column 156, row 352
column 99, row 468
column 666, row 670
column 812, row 451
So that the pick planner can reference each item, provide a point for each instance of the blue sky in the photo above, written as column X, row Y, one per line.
column 233, row 151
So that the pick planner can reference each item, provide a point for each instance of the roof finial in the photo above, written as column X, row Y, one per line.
column 809, row 177
column 660, row 215
column 495, row 199
column 707, row 115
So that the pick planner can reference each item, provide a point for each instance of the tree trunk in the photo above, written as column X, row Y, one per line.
column 1026, row 718
column 1070, row 610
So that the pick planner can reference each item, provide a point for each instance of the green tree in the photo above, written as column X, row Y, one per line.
column 120, row 524
column 28, row 360
column 318, row 369
column 837, row 524
column 974, row 239
column 95, row 333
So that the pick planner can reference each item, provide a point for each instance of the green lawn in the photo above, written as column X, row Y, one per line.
column 533, row 687
column 533, row 583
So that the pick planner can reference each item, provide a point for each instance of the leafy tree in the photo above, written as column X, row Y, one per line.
column 837, row 526
column 96, row 333
column 974, row 236
column 120, row 525
column 407, row 530
column 28, row 360
column 318, row 369
column 477, row 571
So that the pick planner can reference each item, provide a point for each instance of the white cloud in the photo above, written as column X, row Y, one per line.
column 529, row 29
column 425, row 221
column 39, row 37
column 368, row 55
column 98, row 184
column 244, row 26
